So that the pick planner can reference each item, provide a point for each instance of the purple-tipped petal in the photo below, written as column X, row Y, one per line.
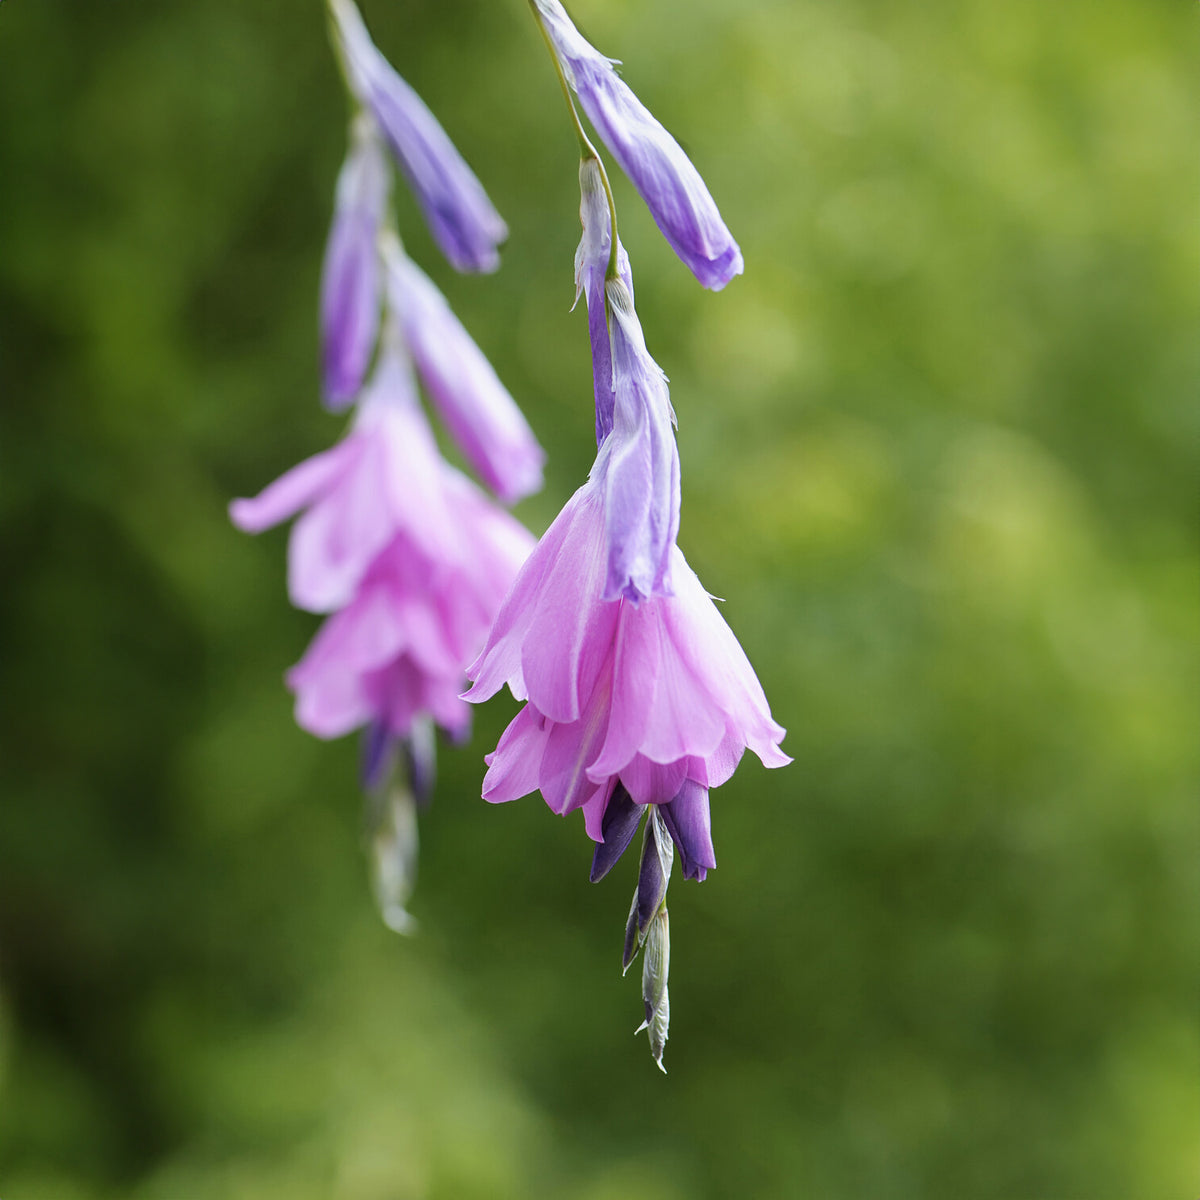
column 350, row 292
column 687, row 820
column 621, row 819
column 664, row 176
column 460, row 215
column 479, row 412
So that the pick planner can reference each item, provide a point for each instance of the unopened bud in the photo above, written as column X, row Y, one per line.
column 620, row 823
column 658, row 855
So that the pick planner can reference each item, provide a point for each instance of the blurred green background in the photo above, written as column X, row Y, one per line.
column 939, row 452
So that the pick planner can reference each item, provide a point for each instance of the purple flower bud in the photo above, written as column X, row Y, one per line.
column 656, row 165
column 638, row 463
column 460, row 216
column 481, row 415
column 418, row 751
column 654, row 874
column 687, row 821
column 376, row 756
column 591, row 265
column 350, row 278
column 620, row 823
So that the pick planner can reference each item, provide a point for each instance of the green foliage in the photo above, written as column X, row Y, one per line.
column 939, row 456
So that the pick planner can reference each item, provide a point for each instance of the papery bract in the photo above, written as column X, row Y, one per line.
column 460, row 215
column 350, row 278
column 664, row 176
column 480, row 413
column 657, row 696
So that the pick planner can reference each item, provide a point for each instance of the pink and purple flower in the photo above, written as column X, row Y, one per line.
column 656, row 698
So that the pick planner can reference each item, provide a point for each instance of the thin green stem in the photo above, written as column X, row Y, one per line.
column 586, row 149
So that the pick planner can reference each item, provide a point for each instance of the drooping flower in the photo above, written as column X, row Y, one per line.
column 460, row 215
column 396, row 652
column 411, row 555
column 478, row 410
column 656, row 698
column 350, row 278
column 664, row 176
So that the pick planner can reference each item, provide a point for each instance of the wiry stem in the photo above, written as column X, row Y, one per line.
column 586, row 149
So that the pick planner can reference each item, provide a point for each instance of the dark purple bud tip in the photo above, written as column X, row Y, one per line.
column 652, row 887
column 620, row 823
column 687, row 820
column 376, row 759
column 653, row 877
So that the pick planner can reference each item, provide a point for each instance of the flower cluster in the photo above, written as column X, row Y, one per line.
column 406, row 555
column 638, row 697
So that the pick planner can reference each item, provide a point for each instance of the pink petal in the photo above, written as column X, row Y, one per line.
column 653, row 783
column 720, row 668
column 685, row 718
column 569, row 748
column 635, row 684
column 292, row 490
column 514, row 765
column 334, row 543
column 362, row 637
column 718, row 767
column 594, row 808
column 500, row 661
column 572, row 628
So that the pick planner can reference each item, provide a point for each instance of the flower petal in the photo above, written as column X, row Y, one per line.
column 479, row 412
column 292, row 490
column 688, row 822
column 350, row 275
column 515, row 764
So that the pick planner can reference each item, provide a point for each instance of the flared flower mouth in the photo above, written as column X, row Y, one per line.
column 653, row 696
